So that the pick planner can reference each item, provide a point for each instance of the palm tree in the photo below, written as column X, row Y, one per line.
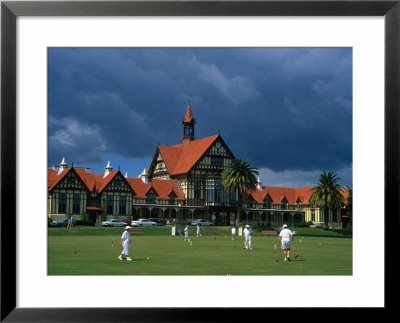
column 239, row 176
column 327, row 195
column 349, row 205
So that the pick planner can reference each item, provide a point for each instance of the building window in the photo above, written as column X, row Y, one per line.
column 217, row 161
column 160, row 164
column 151, row 198
column 250, row 202
column 284, row 205
column 197, row 190
column 76, row 206
column 70, row 181
column 110, row 204
column 172, row 197
column 122, row 205
column 267, row 203
column 210, row 187
column 62, row 203
column 334, row 215
column 313, row 215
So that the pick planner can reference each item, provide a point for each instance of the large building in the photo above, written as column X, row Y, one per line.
column 183, row 182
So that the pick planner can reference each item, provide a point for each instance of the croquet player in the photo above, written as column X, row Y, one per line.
column 186, row 232
column 125, row 242
column 285, row 237
column 233, row 233
column 247, row 232
column 198, row 230
column 70, row 222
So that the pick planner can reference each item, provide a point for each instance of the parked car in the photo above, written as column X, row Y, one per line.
column 317, row 225
column 61, row 223
column 201, row 222
column 159, row 222
column 113, row 223
column 143, row 223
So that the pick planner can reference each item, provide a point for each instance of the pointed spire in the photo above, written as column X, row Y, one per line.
column 188, row 125
column 108, row 169
column 144, row 176
column 126, row 175
column 63, row 165
column 259, row 184
column 189, row 115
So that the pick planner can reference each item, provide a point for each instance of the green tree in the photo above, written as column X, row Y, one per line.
column 239, row 176
column 326, row 194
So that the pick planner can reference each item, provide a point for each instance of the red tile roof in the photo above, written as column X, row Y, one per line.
column 181, row 158
column 162, row 187
column 291, row 194
column 101, row 183
column 53, row 178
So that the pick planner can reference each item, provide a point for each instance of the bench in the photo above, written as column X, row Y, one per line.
column 136, row 231
column 211, row 232
column 268, row 233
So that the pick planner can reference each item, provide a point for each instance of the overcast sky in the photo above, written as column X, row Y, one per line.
column 287, row 110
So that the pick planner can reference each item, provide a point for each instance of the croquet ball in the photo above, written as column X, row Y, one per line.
column 215, row 238
column 296, row 256
column 277, row 260
column 147, row 258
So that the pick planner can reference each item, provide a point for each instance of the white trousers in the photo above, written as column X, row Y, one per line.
column 125, row 247
column 247, row 242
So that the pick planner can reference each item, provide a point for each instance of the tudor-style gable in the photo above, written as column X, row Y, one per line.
column 68, row 180
column 158, row 167
column 216, row 157
column 117, row 183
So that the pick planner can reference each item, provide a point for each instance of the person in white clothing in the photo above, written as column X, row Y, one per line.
column 186, row 232
column 125, row 242
column 198, row 231
column 247, row 232
column 285, row 237
column 233, row 233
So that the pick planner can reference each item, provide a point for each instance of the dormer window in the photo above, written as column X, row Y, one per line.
column 268, row 203
column 151, row 197
column 284, row 204
column 172, row 198
column 250, row 202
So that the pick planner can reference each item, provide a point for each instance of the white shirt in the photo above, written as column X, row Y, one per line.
column 186, row 230
column 198, row 229
column 247, row 232
column 285, row 234
column 126, row 237
column 233, row 231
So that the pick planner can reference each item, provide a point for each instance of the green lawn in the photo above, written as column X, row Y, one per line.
column 94, row 251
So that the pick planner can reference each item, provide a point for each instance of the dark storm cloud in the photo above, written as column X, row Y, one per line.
column 284, row 109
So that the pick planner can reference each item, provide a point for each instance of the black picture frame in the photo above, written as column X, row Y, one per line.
column 10, row 10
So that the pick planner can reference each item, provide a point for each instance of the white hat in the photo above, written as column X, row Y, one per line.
column 127, row 227
column 247, row 226
column 284, row 226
